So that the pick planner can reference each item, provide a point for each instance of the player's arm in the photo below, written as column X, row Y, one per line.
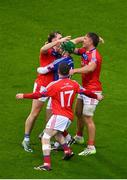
column 50, row 67
column 46, row 69
column 45, row 48
column 77, row 41
column 35, row 95
column 53, row 66
column 90, row 94
column 86, row 69
column 49, row 91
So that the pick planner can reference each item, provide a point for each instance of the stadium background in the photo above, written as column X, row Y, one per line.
column 24, row 26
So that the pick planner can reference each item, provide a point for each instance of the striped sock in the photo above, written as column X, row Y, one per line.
column 27, row 137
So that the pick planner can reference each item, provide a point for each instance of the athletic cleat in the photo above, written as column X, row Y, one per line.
column 72, row 141
column 79, row 139
column 43, row 168
column 87, row 151
column 26, row 146
column 68, row 156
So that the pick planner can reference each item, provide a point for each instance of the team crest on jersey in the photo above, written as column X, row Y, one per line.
column 85, row 57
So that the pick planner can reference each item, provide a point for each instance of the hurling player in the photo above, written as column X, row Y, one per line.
column 63, row 92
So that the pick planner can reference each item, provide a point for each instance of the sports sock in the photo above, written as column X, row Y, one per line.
column 47, row 160
column 67, row 150
column 90, row 144
column 65, row 133
column 79, row 133
column 27, row 137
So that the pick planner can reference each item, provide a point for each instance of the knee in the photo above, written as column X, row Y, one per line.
column 46, row 137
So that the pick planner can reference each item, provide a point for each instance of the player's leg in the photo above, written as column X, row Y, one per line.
column 36, row 108
column 88, row 112
column 91, row 136
column 67, row 150
column 29, row 123
column 48, row 114
column 49, row 109
column 46, row 148
column 55, row 124
column 80, row 123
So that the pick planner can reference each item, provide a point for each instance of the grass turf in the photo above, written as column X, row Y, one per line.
column 24, row 26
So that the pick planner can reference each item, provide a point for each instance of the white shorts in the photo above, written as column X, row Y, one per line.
column 89, row 104
column 38, row 88
column 58, row 122
column 49, row 104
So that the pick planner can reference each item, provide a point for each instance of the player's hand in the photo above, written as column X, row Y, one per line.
column 71, row 72
column 100, row 97
column 67, row 38
column 101, row 40
column 19, row 96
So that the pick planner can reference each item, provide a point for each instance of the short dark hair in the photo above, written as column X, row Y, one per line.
column 52, row 35
column 64, row 69
column 94, row 37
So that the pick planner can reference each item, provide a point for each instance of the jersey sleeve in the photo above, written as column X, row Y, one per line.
column 81, row 51
column 35, row 95
column 50, row 89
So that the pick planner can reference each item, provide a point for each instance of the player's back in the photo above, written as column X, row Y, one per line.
column 64, row 91
column 64, row 59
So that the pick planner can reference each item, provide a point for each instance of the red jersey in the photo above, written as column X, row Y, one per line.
column 45, row 59
column 91, row 80
column 63, row 93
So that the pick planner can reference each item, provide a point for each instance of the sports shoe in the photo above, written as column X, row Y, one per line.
column 79, row 139
column 72, row 141
column 43, row 168
column 26, row 146
column 68, row 156
column 87, row 151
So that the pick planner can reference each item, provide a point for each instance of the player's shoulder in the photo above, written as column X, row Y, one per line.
column 74, row 82
column 81, row 50
column 97, row 54
column 46, row 53
column 53, row 83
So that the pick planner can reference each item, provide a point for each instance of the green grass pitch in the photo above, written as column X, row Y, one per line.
column 24, row 26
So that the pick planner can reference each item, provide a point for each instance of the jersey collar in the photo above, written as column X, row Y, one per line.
column 64, row 77
column 91, row 50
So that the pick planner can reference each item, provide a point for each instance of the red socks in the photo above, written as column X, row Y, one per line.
column 66, row 149
column 47, row 161
column 79, row 133
column 91, row 143
column 65, row 133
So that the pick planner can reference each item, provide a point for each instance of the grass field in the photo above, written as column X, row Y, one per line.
column 24, row 26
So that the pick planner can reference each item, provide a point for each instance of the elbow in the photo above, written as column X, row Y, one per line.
column 42, row 50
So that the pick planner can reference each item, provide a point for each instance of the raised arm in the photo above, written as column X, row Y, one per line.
column 54, row 43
